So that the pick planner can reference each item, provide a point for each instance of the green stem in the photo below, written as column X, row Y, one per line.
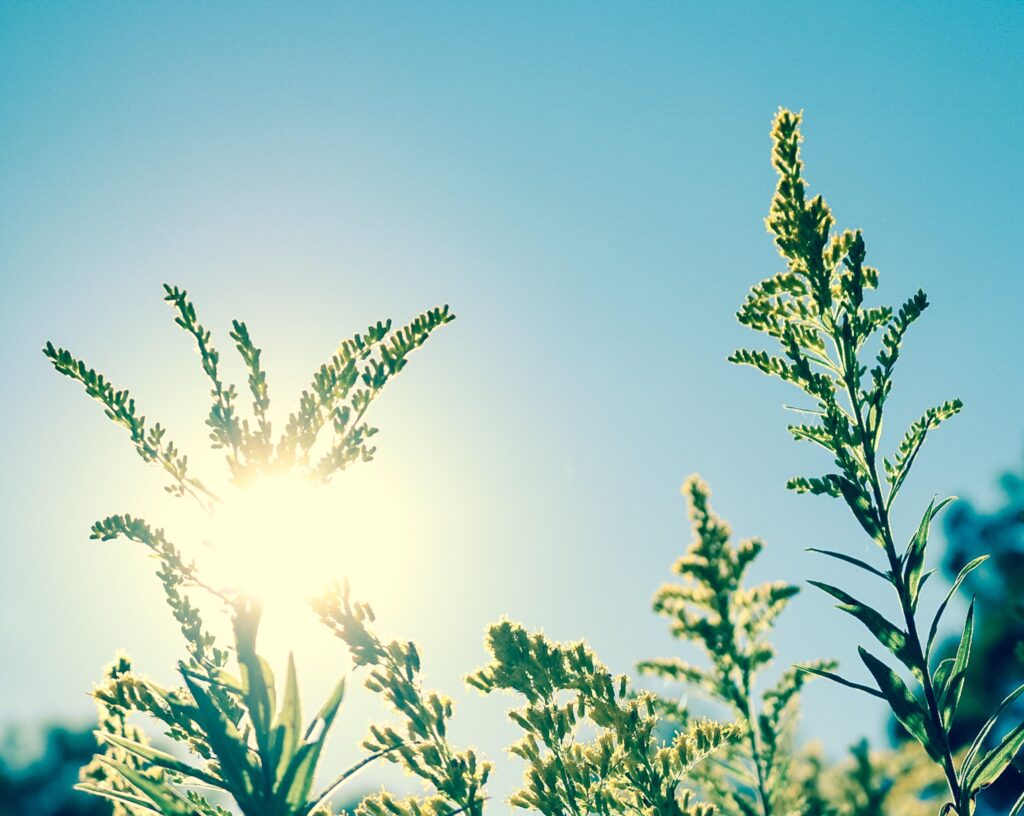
column 895, row 567
column 331, row 789
column 743, row 701
column 915, row 644
column 749, row 712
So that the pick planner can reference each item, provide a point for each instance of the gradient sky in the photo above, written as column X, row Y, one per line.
column 585, row 184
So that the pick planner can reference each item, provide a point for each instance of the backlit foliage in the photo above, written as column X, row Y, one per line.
column 972, row 530
column 341, row 393
column 826, row 334
column 730, row 622
column 244, row 735
column 623, row 766
column 421, row 747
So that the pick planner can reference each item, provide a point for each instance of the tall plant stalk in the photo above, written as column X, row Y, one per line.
column 816, row 312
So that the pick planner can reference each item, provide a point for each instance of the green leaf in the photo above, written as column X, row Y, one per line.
column 905, row 706
column 941, row 676
column 950, row 698
column 163, row 797
column 257, row 686
column 890, row 636
column 849, row 559
column 913, row 559
column 295, row 785
column 117, row 796
column 225, row 741
column 859, row 502
column 967, row 570
column 992, row 765
column 835, row 678
column 288, row 726
column 924, row 580
column 159, row 758
column 986, row 729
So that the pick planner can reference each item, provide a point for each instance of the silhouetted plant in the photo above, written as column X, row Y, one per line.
column 816, row 312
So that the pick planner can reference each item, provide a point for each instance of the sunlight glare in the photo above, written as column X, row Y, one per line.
column 276, row 540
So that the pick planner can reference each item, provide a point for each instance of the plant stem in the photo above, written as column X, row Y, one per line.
column 852, row 389
column 749, row 712
column 915, row 643
column 331, row 789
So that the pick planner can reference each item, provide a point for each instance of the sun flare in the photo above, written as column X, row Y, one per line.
column 278, row 539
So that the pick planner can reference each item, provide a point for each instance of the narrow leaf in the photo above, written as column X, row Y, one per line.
column 860, row 503
column 288, row 726
column 941, row 676
column 117, row 796
column 968, row 568
column 163, row 797
column 227, row 744
column 905, row 706
column 890, row 636
column 913, row 559
column 835, row 678
column 298, row 778
column 958, row 674
column 849, row 559
column 986, row 729
column 160, row 758
column 992, row 765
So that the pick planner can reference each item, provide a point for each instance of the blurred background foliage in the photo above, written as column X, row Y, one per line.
column 972, row 531
column 998, row 650
column 38, row 767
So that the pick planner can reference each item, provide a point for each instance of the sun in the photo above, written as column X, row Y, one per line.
column 279, row 539
column 284, row 538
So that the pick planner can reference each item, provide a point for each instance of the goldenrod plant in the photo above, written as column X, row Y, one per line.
column 591, row 747
column 730, row 622
column 244, row 739
column 340, row 395
column 456, row 777
column 825, row 330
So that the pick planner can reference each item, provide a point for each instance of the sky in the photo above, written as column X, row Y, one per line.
column 585, row 184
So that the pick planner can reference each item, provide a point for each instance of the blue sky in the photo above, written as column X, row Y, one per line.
column 585, row 184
